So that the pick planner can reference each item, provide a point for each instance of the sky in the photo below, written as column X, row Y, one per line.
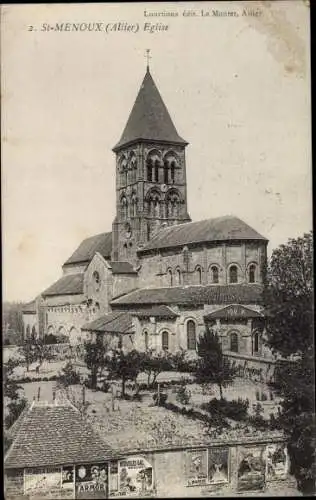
column 237, row 88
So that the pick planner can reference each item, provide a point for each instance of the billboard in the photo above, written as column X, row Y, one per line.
column 277, row 460
column 251, row 469
column 196, row 467
column 91, row 481
column 218, row 465
column 132, row 476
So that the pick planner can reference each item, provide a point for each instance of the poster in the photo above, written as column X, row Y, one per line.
column 41, row 480
column 132, row 476
column 196, row 467
column 251, row 469
column 277, row 461
column 218, row 465
column 92, row 481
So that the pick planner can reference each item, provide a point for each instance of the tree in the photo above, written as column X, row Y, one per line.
column 16, row 403
column 95, row 357
column 34, row 349
column 153, row 363
column 213, row 366
column 288, row 300
column 124, row 365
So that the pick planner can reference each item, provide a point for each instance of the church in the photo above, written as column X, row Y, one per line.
column 158, row 279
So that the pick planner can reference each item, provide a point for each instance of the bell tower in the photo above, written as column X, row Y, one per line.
column 151, row 188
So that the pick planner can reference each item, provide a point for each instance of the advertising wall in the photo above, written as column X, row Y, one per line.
column 132, row 476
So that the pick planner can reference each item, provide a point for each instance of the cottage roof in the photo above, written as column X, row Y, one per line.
column 149, row 118
column 193, row 295
column 224, row 228
column 54, row 434
column 70, row 284
column 101, row 243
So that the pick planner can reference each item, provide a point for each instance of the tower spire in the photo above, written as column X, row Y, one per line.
column 148, row 57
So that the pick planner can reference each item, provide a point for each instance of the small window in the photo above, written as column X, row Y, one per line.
column 156, row 171
column 96, row 277
column 233, row 274
column 149, row 170
column 165, row 341
column 214, row 274
column 255, row 342
column 191, row 335
column 198, row 273
column 252, row 273
column 146, row 339
column 173, row 166
column 170, row 277
column 166, row 172
column 234, row 342
column 178, row 275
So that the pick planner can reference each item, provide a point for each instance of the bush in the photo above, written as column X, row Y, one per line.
column 69, row 376
column 105, row 386
column 183, row 395
column 162, row 398
column 235, row 409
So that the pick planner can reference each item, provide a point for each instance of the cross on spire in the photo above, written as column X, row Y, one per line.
column 148, row 57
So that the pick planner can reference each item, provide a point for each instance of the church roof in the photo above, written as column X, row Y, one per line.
column 114, row 322
column 30, row 307
column 54, row 434
column 101, row 243
column 223, row 228
column 195, row 295
column 71, row 284
column 149, row 118
column 122, row 268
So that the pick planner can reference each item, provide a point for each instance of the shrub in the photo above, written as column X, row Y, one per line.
column 235, row 409
column 105, row 386
column 183, row 395
column 69, row 376
column 162, row 398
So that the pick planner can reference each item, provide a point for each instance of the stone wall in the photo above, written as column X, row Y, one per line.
column 156, row 266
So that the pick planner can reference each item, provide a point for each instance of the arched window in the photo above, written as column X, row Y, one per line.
column 198, row 272
column 214, row 274
column 165, row 341
column 133, row 206
column 146, row 339
column 34, row 335
column 28, row 332
column 170, row 277
column 173, row 167
column 157, row 171
column 255, row 342
column 252, row 273
column 166, row 172
column 96, row 279
column 234, row 342
column 178, row 276
column 233, row 274
column 124, row 207
column 191, row 335
column 149, row 170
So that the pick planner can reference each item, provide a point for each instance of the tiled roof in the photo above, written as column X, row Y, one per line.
column 193, row 295
column 101, row 243
column 219, row 229
column 233, row 310
column 149, row 118
column 71, row 284
column 157, row 312
column 122, row 268
column 114, row 322
column 54, row 434
column 30, row 307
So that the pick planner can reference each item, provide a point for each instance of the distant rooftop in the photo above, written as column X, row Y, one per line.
column 101, row 243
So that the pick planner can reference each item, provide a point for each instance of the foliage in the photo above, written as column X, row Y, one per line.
column 213, row 366
column 288, row 300
column 183, row 395
column 124, row 366
column 153, row 363
column 69, row 376
column 288, row 297
column 160, row 399
column 50, row 338
column 12, row 318
column 235, row 409
column 95, row 357
column 34, row 349
column 11, row 390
